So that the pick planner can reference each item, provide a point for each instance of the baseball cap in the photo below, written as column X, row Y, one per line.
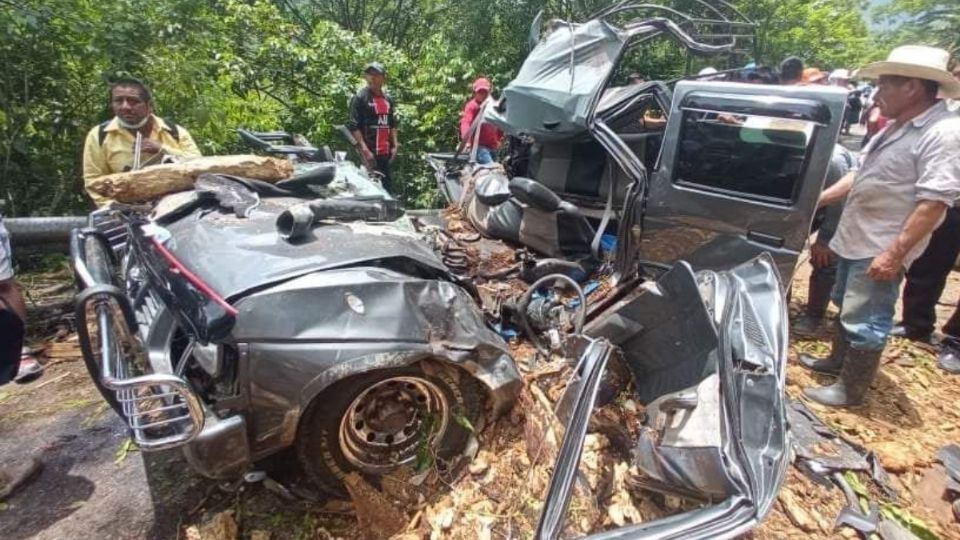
column 375, row 67
column 481, row 84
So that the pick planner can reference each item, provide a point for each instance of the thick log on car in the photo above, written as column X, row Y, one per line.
column 153, row 182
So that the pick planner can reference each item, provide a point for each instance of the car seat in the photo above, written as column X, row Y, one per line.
column 525, row 211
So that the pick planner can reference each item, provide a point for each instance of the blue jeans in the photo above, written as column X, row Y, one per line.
column 866, row 305
column 485, row 155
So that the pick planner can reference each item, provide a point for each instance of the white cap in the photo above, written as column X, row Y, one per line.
column 839, row 74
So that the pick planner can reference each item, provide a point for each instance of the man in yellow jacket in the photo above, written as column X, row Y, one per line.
column 109, row 147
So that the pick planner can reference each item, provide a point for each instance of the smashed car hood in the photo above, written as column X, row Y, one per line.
column 235, row 256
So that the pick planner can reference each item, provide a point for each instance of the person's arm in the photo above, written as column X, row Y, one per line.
column 355, row 125
column 838, row 191
column 94, row 158
column 9, row 292
column 937, row 188
column 925, row 218
column 94, row 165
column 11, row 295
column 394, row 128
column 841, row 163
column 466, row 120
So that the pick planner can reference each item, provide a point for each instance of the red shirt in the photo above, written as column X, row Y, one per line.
column 490, row 136
column 382, row 108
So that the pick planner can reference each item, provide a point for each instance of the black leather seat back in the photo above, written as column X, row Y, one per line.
column 535, row 194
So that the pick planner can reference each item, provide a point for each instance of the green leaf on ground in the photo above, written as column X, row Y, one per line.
column 908, row 520
column 126, row 448
column 890, row 510
column 464, row 422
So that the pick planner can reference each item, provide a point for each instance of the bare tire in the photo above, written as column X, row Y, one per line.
column 376, row 422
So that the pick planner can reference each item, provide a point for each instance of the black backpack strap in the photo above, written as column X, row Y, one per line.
column 102, row 132
column 173, row 128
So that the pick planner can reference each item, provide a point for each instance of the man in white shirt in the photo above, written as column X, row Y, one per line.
column 909, row 176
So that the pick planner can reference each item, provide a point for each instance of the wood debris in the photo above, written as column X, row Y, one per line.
column 221, row 526
column 378, row 516
column 152, row 182
column 797, row 515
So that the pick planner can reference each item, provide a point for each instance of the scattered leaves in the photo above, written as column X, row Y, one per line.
column 126, row 448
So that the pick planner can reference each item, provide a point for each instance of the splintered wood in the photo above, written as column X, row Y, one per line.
column 153, row 182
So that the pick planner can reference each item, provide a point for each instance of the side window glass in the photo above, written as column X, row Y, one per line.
column 753, row 157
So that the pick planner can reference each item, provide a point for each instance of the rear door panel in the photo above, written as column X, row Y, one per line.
column 740, row 172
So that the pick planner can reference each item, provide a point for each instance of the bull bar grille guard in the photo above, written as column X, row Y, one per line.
column 161, row 409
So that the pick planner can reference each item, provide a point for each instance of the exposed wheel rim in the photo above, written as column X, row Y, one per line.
column 387, row 423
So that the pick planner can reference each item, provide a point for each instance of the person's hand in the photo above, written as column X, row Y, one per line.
column 729, row 119
column 886, row 266
column 367, row 155
column 149, row 146
column 393, row 151
column 820, row 255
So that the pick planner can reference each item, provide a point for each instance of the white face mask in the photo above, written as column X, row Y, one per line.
column 138, row 125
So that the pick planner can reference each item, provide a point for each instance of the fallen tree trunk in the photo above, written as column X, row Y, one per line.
column 153, row 182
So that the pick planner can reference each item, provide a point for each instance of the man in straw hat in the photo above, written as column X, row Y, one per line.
column 909, row 176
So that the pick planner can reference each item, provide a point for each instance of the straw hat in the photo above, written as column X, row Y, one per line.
column 812, row 75
column 918, row 62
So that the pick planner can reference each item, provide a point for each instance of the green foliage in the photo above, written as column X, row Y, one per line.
column 216, row 65
column 826, row 34
column 921, row 22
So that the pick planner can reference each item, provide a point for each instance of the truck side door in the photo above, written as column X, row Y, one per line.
column 739, row 174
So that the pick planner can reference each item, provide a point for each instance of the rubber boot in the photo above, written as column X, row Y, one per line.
column 832, row 364
column 859, row 370
column 949, row 357
column 818, row 298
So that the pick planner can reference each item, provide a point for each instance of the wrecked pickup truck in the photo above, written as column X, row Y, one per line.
column 728, row 183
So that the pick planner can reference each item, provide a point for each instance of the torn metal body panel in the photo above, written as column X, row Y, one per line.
column 708, row 355
column 561, row 82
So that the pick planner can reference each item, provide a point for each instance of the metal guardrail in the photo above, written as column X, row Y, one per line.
column 46, row 232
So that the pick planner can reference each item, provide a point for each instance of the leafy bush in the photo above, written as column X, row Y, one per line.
column 217, row 65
